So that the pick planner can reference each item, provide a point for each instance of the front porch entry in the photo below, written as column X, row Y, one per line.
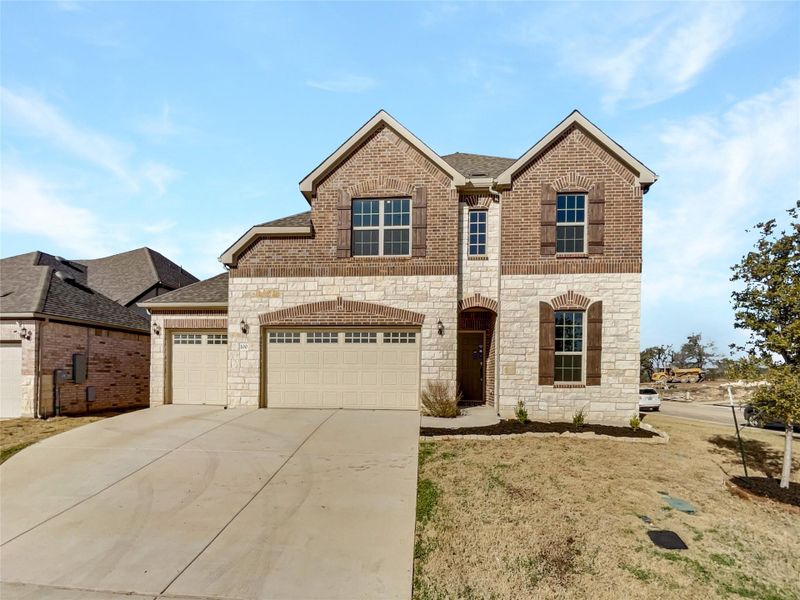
column 475, row 368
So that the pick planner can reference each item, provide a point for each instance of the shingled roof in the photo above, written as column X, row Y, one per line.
column 209, row 291
column 478, row 165
column 126, row 276
column 302, row 219
column 37, row 283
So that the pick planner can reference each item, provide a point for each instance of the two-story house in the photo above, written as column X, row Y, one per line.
column 512, row 279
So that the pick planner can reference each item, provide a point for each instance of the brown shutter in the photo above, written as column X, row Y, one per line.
column 548, row 219
column 596, row 218
column 344, row 227
column 594, row 342
column 547, row 344
column 419, row 221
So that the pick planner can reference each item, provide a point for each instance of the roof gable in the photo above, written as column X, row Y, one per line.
column 382, row 118
column 644, row 175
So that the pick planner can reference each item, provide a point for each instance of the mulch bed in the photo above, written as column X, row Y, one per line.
column 509, row 426
column 766, row 487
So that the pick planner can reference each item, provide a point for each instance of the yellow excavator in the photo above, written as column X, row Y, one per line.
column 671, row 375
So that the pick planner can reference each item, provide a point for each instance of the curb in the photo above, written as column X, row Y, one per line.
column 662, row 438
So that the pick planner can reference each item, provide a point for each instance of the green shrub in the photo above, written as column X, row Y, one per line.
column 438, row 400
column 579, row 419
column 521, row 412
column 635, row 422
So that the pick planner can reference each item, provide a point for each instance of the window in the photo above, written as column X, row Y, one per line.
column 360, row 337
column 570, row 222
column 284, row 337
column 217, row 338
column 477, row 232
column 399, row 337
column 569, row 346
column 187, row 338
column 322, row 337
column 382, row 227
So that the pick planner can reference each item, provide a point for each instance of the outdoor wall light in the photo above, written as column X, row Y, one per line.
column 440, row 327
column 156, row 329
column 244, row 326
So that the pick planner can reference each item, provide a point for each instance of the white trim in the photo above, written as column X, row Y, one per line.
column 229, row 256
column 584, row 223
column 192, row 305
column 308, row 184
column 644, row 175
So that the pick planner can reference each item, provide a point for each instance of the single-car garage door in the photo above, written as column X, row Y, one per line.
column 199, row 368
column 10, row 379
column 343, row 369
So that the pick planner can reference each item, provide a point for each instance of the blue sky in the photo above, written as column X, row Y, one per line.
column 179, row 125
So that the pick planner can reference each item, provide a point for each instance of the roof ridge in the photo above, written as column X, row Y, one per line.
column 44, row 286
column 149, row 252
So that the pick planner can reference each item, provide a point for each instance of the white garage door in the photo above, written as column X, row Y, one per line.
column 10, row 379
column 343, row 369
column 199, row 368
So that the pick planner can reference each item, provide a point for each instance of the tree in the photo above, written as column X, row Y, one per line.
column 780, row 401
column 654, row 358
column 694, row 353
column 768, row 306
column 746, row 368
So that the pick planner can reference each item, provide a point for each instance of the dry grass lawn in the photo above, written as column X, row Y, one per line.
column 16, row 434
column 551, row 518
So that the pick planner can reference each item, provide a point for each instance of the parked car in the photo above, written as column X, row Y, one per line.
column 758, row 418
column 649, row 399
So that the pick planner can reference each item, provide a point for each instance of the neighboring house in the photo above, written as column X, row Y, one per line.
column 66, row 347
column 514, row 279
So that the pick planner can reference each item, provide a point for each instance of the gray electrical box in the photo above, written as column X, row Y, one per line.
column 90, row 393
column 78, row 368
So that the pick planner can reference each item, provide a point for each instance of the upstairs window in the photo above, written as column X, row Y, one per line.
column 569, row 346
column 477, row 233
column 382, row 227
column 570, row 223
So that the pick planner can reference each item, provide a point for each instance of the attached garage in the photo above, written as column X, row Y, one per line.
column 359, row 368
column 10, row 379
column 199, row 368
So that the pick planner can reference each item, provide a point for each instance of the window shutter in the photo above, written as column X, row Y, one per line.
column 548, row 219
column 594, row 342
column 419, row 221
column 344, row 227
column 547, row 344
column 596, row 218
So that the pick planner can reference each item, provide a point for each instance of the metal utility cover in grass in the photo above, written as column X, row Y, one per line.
column 669, row 540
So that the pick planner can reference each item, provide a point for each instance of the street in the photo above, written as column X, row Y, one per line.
column 707, row 413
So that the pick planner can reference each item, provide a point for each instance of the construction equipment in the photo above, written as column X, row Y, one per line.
column 671, row 375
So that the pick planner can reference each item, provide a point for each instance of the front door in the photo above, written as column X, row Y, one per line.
column 470, row 365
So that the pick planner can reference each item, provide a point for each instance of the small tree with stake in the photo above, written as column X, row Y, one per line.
column 768, row 306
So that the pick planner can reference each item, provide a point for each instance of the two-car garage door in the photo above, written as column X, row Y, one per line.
column 368, row 369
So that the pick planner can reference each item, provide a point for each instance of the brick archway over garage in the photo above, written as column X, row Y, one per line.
column 340, row 312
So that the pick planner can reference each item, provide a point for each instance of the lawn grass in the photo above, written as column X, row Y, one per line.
column 560, row 518
column 17, row 434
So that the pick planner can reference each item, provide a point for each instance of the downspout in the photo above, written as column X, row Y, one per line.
column 496, row 339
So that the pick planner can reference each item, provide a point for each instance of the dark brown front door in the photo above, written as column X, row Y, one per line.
column 470, row 365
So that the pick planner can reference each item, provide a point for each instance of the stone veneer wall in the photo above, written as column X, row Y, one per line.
column 435, row 297
column 8, row 333
column 616, row 398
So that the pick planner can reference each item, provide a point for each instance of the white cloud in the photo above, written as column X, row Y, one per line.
column 31, row 205
column 159, row 176
column 69, row 6
column 158, row 227
column 348, row 83
column 719, row 175
column 161, row 126
column 643, row 54
column 35, row 117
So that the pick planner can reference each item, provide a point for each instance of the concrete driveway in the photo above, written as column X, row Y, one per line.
column 200, row 502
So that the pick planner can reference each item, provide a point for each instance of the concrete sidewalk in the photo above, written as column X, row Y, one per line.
column 208, row 503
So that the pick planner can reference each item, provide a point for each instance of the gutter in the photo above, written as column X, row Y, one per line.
column 179, row 305
column 495, row 193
